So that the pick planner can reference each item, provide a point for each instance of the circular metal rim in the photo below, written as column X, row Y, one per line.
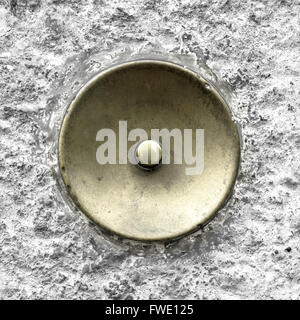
column 212, row 87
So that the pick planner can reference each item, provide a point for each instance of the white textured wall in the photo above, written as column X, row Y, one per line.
column 48, row 49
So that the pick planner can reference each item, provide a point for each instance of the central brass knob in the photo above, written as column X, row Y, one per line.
column 149, row 154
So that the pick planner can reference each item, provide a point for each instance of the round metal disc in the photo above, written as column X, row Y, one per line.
column 133, row 203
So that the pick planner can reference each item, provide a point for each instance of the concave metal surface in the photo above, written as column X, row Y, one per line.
column 133, row 203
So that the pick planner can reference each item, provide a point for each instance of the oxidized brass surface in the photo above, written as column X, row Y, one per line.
column 164, row 203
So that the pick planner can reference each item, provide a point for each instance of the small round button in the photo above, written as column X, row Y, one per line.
column 149, row 154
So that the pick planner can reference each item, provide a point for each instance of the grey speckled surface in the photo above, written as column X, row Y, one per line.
column 48, row 49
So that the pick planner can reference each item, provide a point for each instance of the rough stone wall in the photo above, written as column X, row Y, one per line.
column 48, row 49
